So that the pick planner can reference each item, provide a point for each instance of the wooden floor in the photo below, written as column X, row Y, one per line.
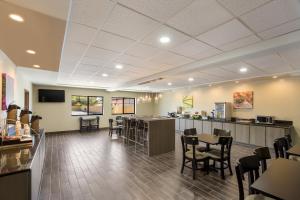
column 95, row 166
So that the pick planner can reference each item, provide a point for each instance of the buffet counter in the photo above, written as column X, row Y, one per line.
column 21, row 170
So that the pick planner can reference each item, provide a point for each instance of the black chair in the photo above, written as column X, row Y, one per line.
column 191, row 131
column 289, row 140
column 249, row 165
column 221, row 132
column 280, row 147
column 223, row 156
column 140, row 132
column 132, row 130
column 111, row 127
column 193, row 155
column 263, row 154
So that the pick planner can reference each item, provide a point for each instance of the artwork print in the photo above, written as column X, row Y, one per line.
column 243, row 100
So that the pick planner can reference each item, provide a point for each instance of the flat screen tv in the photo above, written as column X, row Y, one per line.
column 51, row 95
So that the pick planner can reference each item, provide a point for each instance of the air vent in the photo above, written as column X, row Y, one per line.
column 150, row 81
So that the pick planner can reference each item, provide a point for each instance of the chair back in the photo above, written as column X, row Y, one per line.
column 110, row 123
column 191, row 131
column 226, row 143
column 221, row 132
column 132, row 123
column 280, row 147
column 289, row 140
column 263, row 153
column 118, row 117
column 140, row 124
column 250, row 165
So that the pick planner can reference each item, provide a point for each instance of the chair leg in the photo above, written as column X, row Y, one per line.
column 222, row 170
column 229, row 166
column 194, row 169
column 182, row 166
column 207, row 166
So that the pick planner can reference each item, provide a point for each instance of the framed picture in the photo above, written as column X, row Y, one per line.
column 187, row 101
column 7, row 90
column 243, row 100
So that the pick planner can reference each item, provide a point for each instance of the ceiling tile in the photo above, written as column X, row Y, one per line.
column 72, row 51
column 219, row 72
column 112, row 42
column 142, row 51
column 85, row 67
column 92, row 61
column 291, row 55
column 128, row 23
column 80, row 33
column 130, row 60
column 243, row 42
column 103, row 54
column 235, row 68
column 175, row 36
column 160, row 10
column 198, row 18
column 170, row 59
column 281, row 29
column 271, row 63
column 239, row 7
column 225, row 33
column 195, row 49
column 92, row 12
column 264, row 17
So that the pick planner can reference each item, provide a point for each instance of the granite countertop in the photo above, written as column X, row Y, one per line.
column 147, row 119
column 276, row 125
column 18, row 159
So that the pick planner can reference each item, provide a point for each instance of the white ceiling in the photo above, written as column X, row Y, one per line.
column 103, row 33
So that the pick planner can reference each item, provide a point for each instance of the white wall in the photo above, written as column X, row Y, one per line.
column 275, row 97
column 20, row 83
column 57, row 116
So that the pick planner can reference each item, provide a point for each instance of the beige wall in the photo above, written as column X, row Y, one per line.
column 57, row 116
column 8, row 67
column 275, row 97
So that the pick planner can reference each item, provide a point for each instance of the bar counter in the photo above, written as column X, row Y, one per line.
column 21, row 170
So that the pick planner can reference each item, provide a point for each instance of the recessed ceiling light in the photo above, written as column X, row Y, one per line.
column 16, row 18
column 164, row 39
column 36, row 66
column 275, row 77
column 104, row 75
column 243, row 69
column 191, row 79
column 118, row 66
column 236, row 81
column 169, row 83
column 30, row 51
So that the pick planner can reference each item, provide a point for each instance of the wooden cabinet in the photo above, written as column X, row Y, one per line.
column 258, row 135
column 218, row 125
column 206, row 127
column 198, row 126
column 231, row 128
column 182, row 124
column 177, row 122
column 273, row 133
column 242, row 133
column 189, row 123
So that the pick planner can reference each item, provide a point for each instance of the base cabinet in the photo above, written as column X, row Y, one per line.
column 258, row 135
column 198, row 126
column 242, row 133
column 218, row 125
column 230, row 127
column 206, row 127
column 182, row 124
column 272, row 134
column 177, row 124
column 189, row 123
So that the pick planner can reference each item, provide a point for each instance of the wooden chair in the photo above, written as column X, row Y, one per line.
column 249, row 165
column 223, row 156
column 263, row 153
column 221, row 132
column 191, row 131
column 280, row 147
column 193, row 155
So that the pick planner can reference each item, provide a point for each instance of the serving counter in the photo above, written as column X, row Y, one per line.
column 21, row 170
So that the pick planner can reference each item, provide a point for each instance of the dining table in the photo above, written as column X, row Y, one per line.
column 294, row 151
column 208, row 139
column 280, row 181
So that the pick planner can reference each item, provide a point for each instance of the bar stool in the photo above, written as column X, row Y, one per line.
column 140, row 132
column 132, row 130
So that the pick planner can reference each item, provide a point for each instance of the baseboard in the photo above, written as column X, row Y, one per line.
column 72, row 131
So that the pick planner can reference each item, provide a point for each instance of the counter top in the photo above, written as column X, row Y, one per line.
column 19, row 159
column 147, row 119
column 276, row 125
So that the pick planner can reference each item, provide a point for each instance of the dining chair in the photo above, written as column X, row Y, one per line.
column 191, row 131
column 140, row 130
column 221, row 132
column 263, row 153
column 249, row 165
column 111, row 127
column 223, row 156
column 280, row 147
column 193, row 155
column 132, row 130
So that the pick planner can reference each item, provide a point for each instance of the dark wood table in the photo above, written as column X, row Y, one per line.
column 208, row 139
column 281, row 180
column 295, row 151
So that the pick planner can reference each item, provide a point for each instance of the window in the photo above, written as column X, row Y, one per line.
column 87, row 105
column 122, row 105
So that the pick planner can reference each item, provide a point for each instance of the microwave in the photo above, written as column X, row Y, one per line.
column 264, row 119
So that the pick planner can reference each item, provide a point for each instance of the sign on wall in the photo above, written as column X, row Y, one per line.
column 243, row 100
